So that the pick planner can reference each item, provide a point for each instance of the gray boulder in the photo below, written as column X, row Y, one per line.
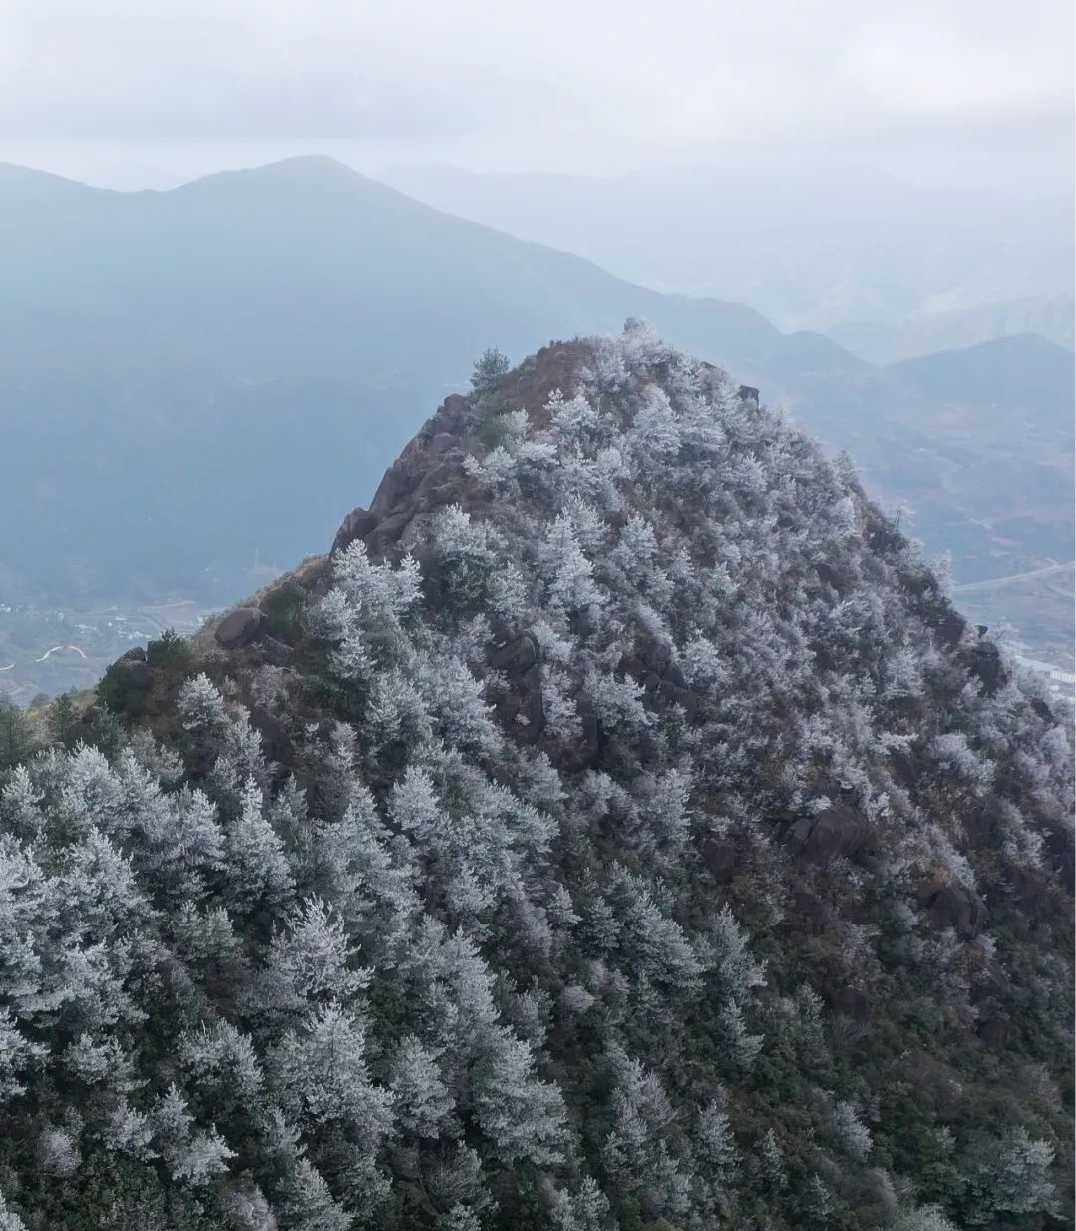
column 357, row 525
column 240, row 627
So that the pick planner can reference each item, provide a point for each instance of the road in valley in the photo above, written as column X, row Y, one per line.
column 1048, row 571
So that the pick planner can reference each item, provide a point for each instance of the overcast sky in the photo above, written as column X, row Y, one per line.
column 132, row 93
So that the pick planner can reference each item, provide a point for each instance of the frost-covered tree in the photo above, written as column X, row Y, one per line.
column 522, row 1115
column 1011, row 1177
column 422, row 1101
column 854, row 1136
column 323, row 1074
column 311, row 961
column 192, row 1156
column 923, row 1218
column 9, row 1220
column 256, row 865
column 625, row 831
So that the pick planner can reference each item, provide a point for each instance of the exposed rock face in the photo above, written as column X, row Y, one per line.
column 138, row 670
column 837, row 831
column 831, row 577
column 852, row 1003
column 357, row 525
column 994, row 1031
column 585, row 752
column 957, row 907
column 517, row 656
column 276, row 744
column 240, row 627
column 984, row 661
column 653, row 666
column 430, row 472
column 442, row 442
column 275, row 652
column 720, row 858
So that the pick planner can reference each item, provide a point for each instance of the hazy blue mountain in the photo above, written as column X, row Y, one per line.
column 1050, row 316
column 197, row 380
column 166, row 356
column 979, row 443
column 1014, row 372
column 811, row 241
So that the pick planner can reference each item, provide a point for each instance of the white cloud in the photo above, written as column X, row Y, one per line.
column 500, row 83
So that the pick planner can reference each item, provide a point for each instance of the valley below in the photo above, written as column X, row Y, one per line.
column 48, row 651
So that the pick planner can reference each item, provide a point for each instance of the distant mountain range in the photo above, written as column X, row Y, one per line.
column 937, row 329
column 239, row 356
column 197, row 378
column 812, row 241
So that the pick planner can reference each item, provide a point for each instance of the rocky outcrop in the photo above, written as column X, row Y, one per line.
column 652, row 665
column 240, row 627
column 515, row 657
column 136, row 669
column 430, row 472
column 585, row 753
column 720, row 857
column 838, row 831
column 520, row 707
column 852, row 1003
column 957, row 907
column 275, row 741
column 984, row 662
column 357, row 525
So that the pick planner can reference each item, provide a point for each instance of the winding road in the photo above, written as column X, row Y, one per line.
column 1048, row 571
column 56, row 648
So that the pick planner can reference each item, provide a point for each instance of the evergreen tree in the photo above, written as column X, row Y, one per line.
column 488, row 371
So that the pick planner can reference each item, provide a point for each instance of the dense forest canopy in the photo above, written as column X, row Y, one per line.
column 619, row 829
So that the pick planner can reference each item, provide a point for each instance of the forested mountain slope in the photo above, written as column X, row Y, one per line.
column 619, row 829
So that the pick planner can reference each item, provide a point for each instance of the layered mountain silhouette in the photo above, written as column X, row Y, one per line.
column 199, row 374
column 197, row 379
column 814, row 241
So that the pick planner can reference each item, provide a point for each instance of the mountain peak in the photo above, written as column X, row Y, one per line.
column 302, row 171
column 619, row 829
column 301, row 167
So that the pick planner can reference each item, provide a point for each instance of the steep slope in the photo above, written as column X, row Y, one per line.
column 164, row 353
column 619, row 829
